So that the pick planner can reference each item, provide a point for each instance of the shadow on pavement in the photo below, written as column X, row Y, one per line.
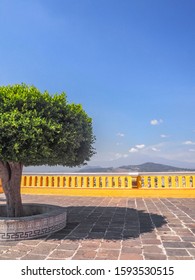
column 110, row 223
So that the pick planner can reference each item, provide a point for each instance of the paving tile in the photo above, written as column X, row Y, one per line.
column 131, row 250
column 184, row 232
column 151, row 241
column 153, row 256
column 68, row 246
column 188, row 238
column 15, row 254
column 33, row 257
column 178, row 244
column 110, row 244
column 130, row 256
column 132, row 242
column 43, row 248
column 171, row 238
column 191, row 252
column 180, row 258
column 62, row 254
column 177, row 252
column 31, row 242
column 152, row 249
column 83, row 254
column 108, row 254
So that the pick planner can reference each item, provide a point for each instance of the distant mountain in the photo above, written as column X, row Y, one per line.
column 145, row 167
column 153, row 167
column 92, row 169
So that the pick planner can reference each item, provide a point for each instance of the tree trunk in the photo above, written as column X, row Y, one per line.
column 11, row 174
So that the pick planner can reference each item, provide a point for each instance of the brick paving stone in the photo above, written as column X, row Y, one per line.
column 23, row 248
column 152, row 249
column 184, row 232
column 8, row 243
column 15, row 254
column 33, row 257
column 68, row 246
column 108, row 254
column 171, row 238
column 83, row 254
column 90, row 245
column 191, row 252
column 190, row 225
column 188, row 238
column 167, row 233
column 132, row 242
column 178, row 244
column 43, row 248
column 95, row 235
column 148, row 235
column 130, row 256
column 61, row 254
column 3, row 249
column 131, row 250
column 177, row 252
column 180, row 258
column 31, row 242
column 153, row 256
column 151, row 241
column 110, row 244
column 2, row 257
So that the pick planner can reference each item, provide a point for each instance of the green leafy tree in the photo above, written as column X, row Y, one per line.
column 39, row 129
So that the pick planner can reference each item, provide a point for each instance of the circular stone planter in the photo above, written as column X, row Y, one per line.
column 38, row 220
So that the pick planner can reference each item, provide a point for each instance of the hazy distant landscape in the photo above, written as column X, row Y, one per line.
column 145, row 167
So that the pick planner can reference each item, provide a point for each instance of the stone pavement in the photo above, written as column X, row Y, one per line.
column 106, row 228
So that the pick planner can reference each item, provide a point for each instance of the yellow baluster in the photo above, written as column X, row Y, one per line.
column 110, row 182
column 166, row 181
column 79, row 181
column 180, row 181
column 122, row 181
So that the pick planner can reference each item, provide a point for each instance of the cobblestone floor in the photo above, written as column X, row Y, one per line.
column 106, row 228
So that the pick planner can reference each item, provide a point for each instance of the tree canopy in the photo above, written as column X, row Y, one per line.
column 43, row 129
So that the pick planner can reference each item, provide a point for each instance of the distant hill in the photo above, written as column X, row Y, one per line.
column 145, row 167
column 92, row 169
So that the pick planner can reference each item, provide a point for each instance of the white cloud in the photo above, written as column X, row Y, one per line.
column 155, row 149
column 120, row 155
column 133, row 150
column 156, row 122
column 137, row 148
column 164, row 136
column 191, row 150
column 140, row 146
column 189, row 142
column 120, row 134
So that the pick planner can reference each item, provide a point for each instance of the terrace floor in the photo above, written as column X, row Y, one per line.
column 106, row 228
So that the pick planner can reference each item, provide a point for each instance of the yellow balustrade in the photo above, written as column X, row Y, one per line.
column 114, row 184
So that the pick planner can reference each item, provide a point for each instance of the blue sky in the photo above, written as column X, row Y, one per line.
column 130, row 63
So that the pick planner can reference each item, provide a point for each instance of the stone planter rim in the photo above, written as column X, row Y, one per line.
column 53, row 209
column 51, row 219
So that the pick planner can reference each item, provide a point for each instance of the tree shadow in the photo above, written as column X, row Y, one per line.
column 110, row 223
